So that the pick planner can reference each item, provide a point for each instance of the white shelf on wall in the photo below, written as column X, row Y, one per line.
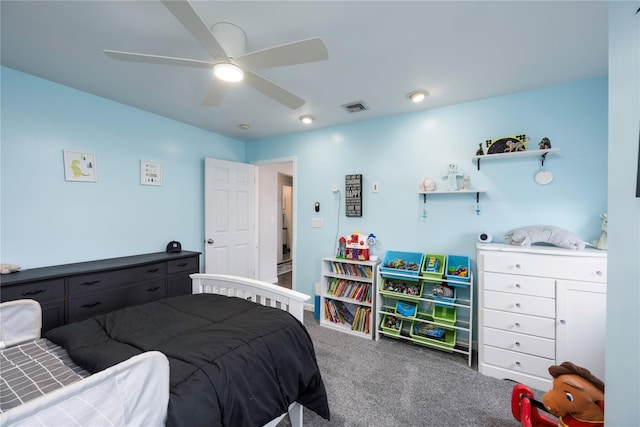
column 451, row 192
column 530, row 153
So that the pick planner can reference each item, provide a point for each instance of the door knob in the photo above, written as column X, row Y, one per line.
column 210, row 241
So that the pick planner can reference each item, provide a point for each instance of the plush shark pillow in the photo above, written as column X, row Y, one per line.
column 556, row 236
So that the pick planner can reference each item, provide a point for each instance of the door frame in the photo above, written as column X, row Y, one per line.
column 294, row 219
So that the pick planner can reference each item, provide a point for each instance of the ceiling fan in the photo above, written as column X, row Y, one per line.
column 230, row 63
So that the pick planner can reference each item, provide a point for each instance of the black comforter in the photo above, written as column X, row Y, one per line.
column 232, row 362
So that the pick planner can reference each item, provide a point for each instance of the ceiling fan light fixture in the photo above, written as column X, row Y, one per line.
column 417, row 95
column 307, row 119
column 228, row 72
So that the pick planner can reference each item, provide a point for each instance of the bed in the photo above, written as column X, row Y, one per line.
column 233, row 353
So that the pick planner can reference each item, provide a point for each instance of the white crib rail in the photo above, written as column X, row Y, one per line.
column 254, row 290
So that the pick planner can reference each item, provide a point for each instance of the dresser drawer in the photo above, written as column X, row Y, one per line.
column 101, row 282
column 520, row 343
column 183, row 265
column 518, row 362
column 47, row 290
column 522, row 304
column 520, row 323
column 524, row 285
column 590, row 269
column 90, row 305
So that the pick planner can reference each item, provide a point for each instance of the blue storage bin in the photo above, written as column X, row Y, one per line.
column 402, row 265
column 458, row 263
column 445, row 301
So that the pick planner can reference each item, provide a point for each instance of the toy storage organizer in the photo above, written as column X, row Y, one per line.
column 407, row 308
column 347, row 294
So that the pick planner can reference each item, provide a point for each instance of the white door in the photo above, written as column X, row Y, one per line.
column 581, row 323
column 229, row 225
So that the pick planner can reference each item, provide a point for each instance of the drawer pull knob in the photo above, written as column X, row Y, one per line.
column 95, row 304
column 153, row 270
column 39, row 291
column 517, row 344
column 518, row 304
column 598, row 273
column 518, row 266
column 517, row 324
column 563, row 322
column 153, row 289
column 90, row 283
column 184, row 264
column 518, row 364
column 518, row 285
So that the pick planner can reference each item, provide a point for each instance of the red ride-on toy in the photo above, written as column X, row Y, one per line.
column 526, row 409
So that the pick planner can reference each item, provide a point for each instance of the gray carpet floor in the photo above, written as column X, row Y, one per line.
column 392, row 383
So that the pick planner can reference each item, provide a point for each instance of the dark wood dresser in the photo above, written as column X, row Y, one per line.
column 72, row 292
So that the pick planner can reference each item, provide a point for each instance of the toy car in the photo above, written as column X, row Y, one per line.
column 433, row 264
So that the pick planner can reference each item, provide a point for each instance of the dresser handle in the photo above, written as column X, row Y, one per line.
column 518, row 364
column 90, row 283
column 95, row 304
column 184, row 264
column 598, row 273
column 518, row 305
column 153, row 270
column 518, row 285
column 153, row 289
column 517, row 344
column 517, row 324
column 39, row 291
column 563, row 322
column 518, row 266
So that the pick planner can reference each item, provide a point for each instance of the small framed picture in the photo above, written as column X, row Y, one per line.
column 79, row 166
column 150, row 173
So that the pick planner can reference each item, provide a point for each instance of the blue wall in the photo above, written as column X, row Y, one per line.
column 47, row 220
column 398, row 152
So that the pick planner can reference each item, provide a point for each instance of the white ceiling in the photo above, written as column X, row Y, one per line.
column 378, row 52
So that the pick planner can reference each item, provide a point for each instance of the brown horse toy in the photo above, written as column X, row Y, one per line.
column 576, row 396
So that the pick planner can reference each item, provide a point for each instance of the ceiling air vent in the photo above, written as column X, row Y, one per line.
column 355, row 107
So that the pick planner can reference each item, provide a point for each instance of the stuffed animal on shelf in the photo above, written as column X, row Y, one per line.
column 556, row 236
column 601, row 243
column 576, row 396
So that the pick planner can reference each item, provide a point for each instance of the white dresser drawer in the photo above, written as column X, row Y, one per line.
column 590, row 269
column 518, row 362
column 524, row 285
column 520, row 323
column 522, row 304
column 528, row 344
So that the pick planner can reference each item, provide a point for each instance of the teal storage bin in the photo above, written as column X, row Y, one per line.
column 456, row 266
column 401, row 265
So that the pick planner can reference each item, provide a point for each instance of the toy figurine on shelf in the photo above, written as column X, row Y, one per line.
column 480, row 150
column 357, row 247
column 545, row 143
column 342, row 248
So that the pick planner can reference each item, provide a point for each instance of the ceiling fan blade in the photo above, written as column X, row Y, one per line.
column 300, row 52
column 216, row 93
column 157, row 59
column 184, row 12
column 272, row 90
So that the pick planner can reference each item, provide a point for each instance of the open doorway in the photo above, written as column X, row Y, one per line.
column 276, row 221
column 285, row 258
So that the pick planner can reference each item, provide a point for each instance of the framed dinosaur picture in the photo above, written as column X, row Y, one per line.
column 79, row 166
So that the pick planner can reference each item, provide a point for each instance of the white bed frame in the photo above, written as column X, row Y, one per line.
column 143, row 405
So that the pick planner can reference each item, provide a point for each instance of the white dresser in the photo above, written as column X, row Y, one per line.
column 540, row 306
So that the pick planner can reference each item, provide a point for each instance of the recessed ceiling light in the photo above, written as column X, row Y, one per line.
column 307, row 119
column 228, row 72
column 243, row 126
column 418, row 95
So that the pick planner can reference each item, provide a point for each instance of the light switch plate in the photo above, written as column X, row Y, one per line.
column 374, row 187
column 317, row 222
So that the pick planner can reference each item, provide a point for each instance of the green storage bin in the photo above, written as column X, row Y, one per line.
column 444, row 315
column 428, row 272
column 401, row 289
column 446, row 343
column 391, row 324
